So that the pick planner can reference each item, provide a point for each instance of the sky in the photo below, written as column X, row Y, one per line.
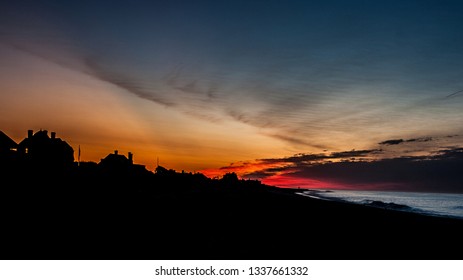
column 332, row 94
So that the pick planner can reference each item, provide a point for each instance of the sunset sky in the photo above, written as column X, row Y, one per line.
column 295, row 93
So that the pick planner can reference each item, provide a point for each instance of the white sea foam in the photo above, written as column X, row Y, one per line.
column 436, row 204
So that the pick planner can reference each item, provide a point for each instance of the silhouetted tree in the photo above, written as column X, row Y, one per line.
column 230, row 179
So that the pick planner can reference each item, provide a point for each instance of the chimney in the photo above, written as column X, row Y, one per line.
column 53, row 135
column 130, row 157
column 116, row 152
column 29, row 133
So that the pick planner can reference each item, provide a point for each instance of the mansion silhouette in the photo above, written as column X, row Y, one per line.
column 39, row 151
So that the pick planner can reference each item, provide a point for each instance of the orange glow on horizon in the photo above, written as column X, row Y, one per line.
column 241, row 168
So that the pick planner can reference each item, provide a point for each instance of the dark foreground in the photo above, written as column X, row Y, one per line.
column 191, row 217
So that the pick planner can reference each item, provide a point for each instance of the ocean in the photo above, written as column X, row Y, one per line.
column 434, row 204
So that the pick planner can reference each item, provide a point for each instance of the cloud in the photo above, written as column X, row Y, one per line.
column 423, row 139
column 354, row 153
column 295, row 140
column 392, row 142
column 439, row 171
column 292, row 107
column 454, row 94
column 305, row 96
column 89, row 66
column 176, row 79
column 311, row 158
column 264, row 168
column 123, row 81
column 400, row 141
column 200, row 108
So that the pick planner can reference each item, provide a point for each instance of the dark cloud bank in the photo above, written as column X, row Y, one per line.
column 400, row 141
column 440, row 172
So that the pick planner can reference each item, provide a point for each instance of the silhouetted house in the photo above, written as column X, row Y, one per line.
column 120, row 163
column 8, row 154
column 6, row 144
column 42, row 150
column 160, row 170
column 116, row 161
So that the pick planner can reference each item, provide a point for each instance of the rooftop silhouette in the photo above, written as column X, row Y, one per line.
column 6, row 143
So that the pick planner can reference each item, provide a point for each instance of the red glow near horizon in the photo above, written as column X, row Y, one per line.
column 287, row 181
column 240, row 168
column 281, row 179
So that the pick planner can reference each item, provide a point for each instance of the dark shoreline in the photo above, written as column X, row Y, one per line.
column 213, row 222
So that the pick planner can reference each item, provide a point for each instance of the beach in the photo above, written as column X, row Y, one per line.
column 171, row 221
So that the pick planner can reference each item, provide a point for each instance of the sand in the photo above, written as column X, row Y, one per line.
column 89, row 219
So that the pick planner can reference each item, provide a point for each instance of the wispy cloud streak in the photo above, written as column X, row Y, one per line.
column 454, row 94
